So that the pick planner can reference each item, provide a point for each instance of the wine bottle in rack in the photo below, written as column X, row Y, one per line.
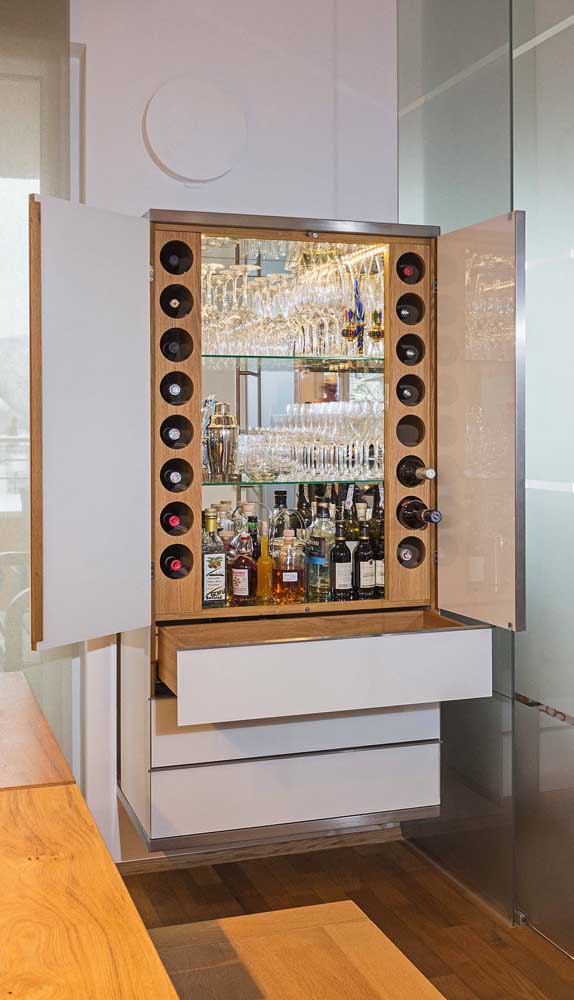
column 176, row 519
column 410, row 349
column 410, row 390
column 410, row 553
column 175, row 561
column 411, row 471
column 410, row 309
column 410, row 268
column 176, row 475
column 415, row 515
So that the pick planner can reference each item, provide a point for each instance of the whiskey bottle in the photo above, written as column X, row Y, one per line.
column 243, row 573
column 415, row 515
column 364, row 566
column 214, row 594
column 265, row 572
column 322, row 537
column 289, row 571
column 341, row 566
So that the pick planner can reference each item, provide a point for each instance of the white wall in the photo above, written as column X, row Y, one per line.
column 316, row 80
column 317, row 83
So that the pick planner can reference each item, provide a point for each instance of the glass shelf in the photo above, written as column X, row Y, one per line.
column 272, row 362
column 244, row 483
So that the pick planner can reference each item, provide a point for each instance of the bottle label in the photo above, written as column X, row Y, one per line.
column 316, row 550
column 349, row 497
column 290, row 577
column 240, row 582
column 379, row 572
column 367, row 574
column 213, row 577
column 343, row 576
column 352, row 546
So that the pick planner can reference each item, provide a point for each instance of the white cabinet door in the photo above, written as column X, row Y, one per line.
column 90, row 422
column 480, row 432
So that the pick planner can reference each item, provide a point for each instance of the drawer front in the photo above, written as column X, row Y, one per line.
column 211, row 798
column 173, row 745
column 231, row 683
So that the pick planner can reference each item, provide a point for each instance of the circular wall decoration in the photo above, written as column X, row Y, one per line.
column 193, row 130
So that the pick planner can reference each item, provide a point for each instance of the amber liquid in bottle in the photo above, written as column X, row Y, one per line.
column 289, row 571
column 243, row 573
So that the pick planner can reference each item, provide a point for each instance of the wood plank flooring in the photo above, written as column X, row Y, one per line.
column 465, row 951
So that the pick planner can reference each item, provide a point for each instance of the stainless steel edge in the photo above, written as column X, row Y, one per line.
column 519, row 440
column 259, row 835
column 343, row 226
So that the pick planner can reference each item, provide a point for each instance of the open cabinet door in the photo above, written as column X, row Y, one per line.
column 480, row 426
column 90, row 422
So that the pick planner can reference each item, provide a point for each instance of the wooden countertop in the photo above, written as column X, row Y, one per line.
column 68, row 926
column 328, row 951
column 29, row 754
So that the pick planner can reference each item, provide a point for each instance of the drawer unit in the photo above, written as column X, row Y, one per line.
column 247, row 794
column 173, row 745
column 217, row 682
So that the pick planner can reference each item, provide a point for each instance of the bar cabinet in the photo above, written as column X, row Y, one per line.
column 269, row 721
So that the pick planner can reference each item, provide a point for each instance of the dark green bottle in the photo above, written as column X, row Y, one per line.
column 341, row 567
column 364, row 566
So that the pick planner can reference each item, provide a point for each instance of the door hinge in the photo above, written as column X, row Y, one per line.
column 520, row 917
column 434, row 284
column 152, row 571
column 151, row 272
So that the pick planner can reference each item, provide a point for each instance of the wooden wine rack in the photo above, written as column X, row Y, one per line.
column 181, row 598
column 178, row 597
column 402, row 583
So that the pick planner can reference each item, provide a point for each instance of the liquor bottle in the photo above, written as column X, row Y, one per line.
column 319, row 545
column 411, row 471
column 214, row 592
column 351, row 520
column 281, row 519
column 341, row 566
column 377, row 521
column 253, row 531
column 410, row 390
column 415, row 515
column 289, row 570
column 303, row 506
column 364, row 566
column 243, row 572
column 265, row 572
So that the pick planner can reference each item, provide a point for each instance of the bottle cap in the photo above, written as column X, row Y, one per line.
column 174, row 520
column 210, row 520
column 175, row 565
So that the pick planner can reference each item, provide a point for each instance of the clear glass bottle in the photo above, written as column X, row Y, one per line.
column 243, row 573
column 289, row 570
column 224, row 516
column 265, row 572
column 319, row 544
column 214, row 589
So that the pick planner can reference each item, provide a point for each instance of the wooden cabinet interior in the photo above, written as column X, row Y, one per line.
column 181, row 599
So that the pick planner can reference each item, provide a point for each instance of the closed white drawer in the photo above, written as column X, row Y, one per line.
column 172, row 745
column 231, row 683
column 210, row 798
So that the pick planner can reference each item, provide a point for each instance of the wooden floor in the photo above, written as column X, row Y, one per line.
column 465, row 951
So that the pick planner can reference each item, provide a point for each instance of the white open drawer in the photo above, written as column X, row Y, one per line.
column 209, row 798
column 227, row 683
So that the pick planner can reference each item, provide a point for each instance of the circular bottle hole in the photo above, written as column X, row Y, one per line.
column 410, row 349
column 410, row 309
column 410, row 390
column 407, row 471
column 410, row 431
column 176, row 475
column 176, row 518
column 411, row 552
column 176, row 301
column 176, row 432
column 176, row 388
column 176, row 561
column 176, row 345
column 176, row 257
column 410, row 268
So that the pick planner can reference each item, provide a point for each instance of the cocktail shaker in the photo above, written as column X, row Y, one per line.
column 221, row 437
